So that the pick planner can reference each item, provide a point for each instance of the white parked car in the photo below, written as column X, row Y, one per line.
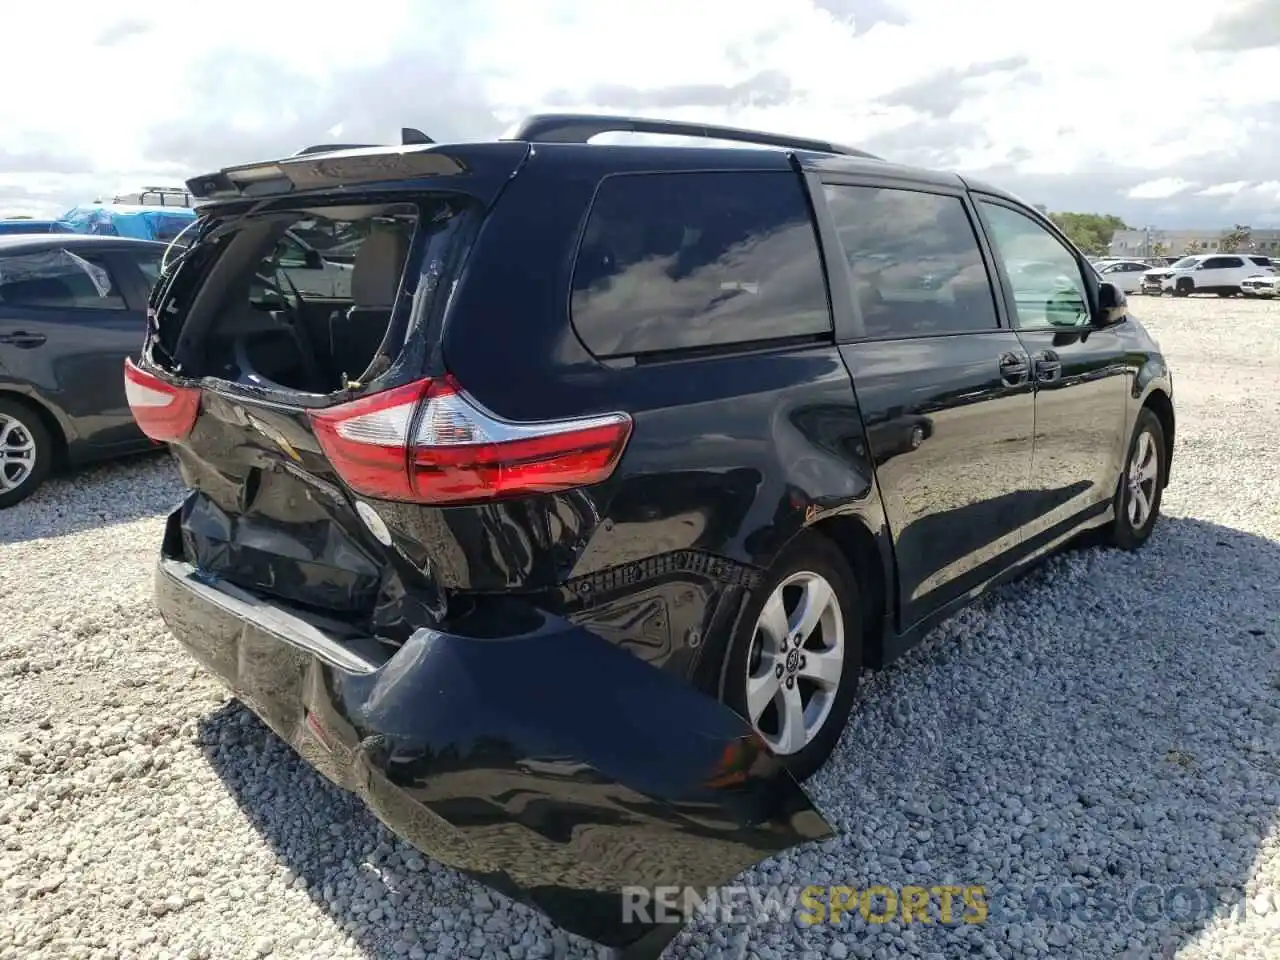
column 1262, row 284
column 1220, row 273
column 312, row 273
column 308, row 271
column 1125, row 274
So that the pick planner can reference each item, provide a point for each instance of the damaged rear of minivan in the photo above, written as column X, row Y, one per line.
column 339, row 479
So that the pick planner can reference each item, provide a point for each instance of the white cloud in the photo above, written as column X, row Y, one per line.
column 1160, row 189
column 1270, row 189
column 168, row 75
column 1224, row 189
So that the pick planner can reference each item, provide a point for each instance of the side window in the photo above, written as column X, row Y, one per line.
column 914, row 262
column 672, row 261
column 291, row 253
column 1044, row 275
column 58, row 279
column 1261, row 261
column 148, row 262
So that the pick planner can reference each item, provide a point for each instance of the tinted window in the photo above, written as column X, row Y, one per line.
column 166, row 228
column 678, row 260
column 291, row 252
column 1261, row 261
column 914, row 262
column 1044, row 275
column 148, row 262
column 1223, row 263
column 57, row 279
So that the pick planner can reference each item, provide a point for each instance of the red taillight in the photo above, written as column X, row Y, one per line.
column 164, row 412
column 427, row 442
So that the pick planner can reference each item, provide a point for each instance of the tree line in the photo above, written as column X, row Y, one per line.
column 1093, row 232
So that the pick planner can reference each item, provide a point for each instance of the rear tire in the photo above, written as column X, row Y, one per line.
column 786, row 676
column 26, row 452
column 1136, row 516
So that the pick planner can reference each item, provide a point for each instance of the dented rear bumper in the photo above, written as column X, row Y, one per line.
column 548, row 764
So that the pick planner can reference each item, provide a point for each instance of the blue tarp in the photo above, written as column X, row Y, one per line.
column 129, row 220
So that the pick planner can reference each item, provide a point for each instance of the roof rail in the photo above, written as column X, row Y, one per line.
column 409, row 136
column 580, row 128
column 331, row 147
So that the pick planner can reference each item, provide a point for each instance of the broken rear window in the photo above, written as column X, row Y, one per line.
column 309, row 299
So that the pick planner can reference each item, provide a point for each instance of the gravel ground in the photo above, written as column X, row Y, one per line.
column 1110, row 722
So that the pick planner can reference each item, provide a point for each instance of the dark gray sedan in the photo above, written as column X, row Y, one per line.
column 72, row 308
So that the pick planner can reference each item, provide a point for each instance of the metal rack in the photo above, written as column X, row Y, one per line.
column 581, row 127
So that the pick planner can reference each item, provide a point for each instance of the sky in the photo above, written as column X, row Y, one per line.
column 1167, row 116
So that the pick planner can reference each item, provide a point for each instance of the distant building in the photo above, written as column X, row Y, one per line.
column 1146, row 243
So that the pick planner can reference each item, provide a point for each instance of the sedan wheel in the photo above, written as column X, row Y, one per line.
column 25, row 450
column 1144, row 473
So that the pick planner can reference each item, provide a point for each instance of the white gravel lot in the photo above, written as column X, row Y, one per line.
column 1111, row 723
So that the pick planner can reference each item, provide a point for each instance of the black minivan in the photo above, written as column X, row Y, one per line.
column 563, row 536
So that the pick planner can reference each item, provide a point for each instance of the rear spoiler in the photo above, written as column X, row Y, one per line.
column 339, row 165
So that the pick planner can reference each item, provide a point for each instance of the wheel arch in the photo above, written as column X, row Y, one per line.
column 1160, row 404
column 862, row 550
column 869, row 556
column 49, row 419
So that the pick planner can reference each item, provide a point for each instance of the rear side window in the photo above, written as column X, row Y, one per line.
column 677, row 261
column 148, row 262
column 914, row 262
column 1261, row 261
column 57, row 279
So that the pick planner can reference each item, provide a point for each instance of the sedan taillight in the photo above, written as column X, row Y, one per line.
column 163, row 411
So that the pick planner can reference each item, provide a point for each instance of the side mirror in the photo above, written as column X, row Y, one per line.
column 311, row 260
column 1113, row 305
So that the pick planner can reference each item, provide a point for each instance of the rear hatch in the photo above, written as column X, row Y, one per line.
column 330, row 456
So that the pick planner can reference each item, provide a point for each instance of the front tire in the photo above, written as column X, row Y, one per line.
column 794, row 661
column 1141, row 488
column 1184, row 288
column 26, row 452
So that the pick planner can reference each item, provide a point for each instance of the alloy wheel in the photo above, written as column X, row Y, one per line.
column 17, row 453
column 796, row 662
column 1143, row 475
